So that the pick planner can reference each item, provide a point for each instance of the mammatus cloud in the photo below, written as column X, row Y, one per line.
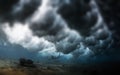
column 48, row 34
column 17, row 10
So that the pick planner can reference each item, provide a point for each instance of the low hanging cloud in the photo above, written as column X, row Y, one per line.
column 46, row 32
column 17, row 10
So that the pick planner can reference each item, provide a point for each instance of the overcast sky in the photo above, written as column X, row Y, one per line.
column 62, row 30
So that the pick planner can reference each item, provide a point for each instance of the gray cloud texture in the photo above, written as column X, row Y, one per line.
column 39, row 27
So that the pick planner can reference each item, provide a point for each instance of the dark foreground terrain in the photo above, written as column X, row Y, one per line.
column 111, row 68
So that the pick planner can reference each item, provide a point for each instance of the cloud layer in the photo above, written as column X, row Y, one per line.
column 43, row 29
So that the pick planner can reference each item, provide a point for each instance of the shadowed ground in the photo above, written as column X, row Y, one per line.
column 108, row 67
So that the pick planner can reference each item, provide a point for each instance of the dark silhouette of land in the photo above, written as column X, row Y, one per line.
column 29, row 67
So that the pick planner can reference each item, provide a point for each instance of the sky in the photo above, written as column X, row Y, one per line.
column 65, row 31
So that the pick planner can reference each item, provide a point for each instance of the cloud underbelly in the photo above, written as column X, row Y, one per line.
column 48, row 34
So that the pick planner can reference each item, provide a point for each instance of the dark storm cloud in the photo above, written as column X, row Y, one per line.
column 69, row 43
column 5, row 8
column 6, row 5
column 17, row 10
column 110, row 10
column 78, row 14
column 51, row 27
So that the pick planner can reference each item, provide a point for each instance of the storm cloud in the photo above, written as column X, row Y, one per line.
column 50, row 28
column 17, row 10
